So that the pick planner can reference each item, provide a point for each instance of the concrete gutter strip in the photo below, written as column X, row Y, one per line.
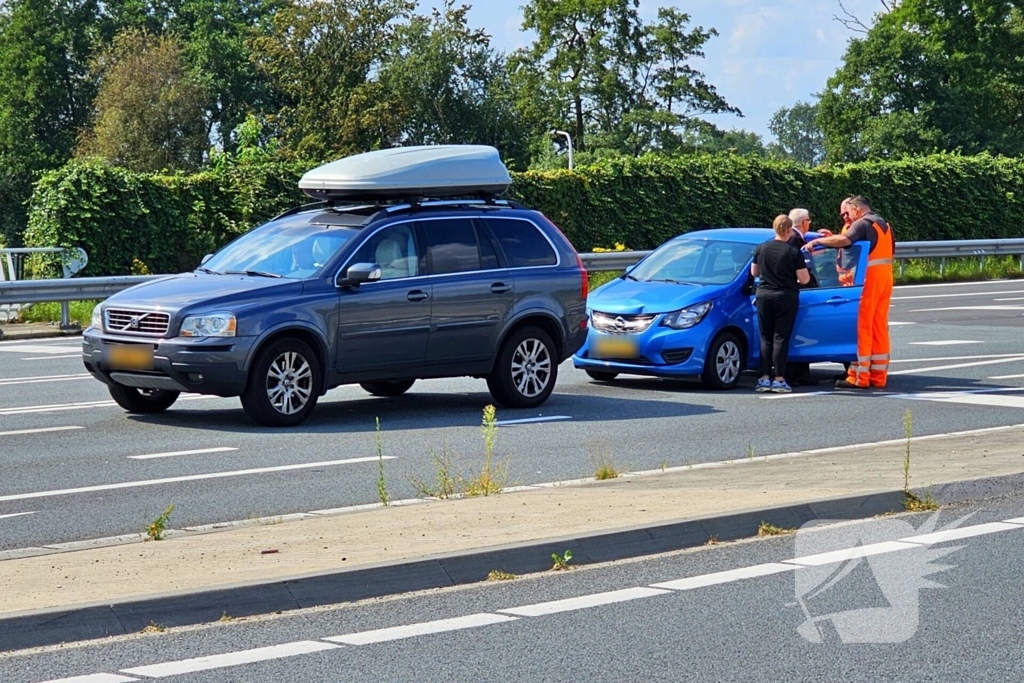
column 28, row 331
column 198, row 578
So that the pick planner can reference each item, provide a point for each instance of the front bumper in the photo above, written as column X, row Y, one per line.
column 205, row 366
column 661, row 352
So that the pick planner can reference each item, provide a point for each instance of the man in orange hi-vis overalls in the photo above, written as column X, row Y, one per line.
column 872, row 366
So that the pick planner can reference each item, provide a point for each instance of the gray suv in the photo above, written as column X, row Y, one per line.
column 377, row 295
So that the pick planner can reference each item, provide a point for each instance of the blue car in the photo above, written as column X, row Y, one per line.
column 687, row 309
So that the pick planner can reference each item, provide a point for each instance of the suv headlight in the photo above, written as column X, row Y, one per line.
column 97, row 318
column 211, row 325
column 687, row 317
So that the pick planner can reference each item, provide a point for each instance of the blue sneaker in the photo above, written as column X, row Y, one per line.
column 780, row 387
column 763, row 385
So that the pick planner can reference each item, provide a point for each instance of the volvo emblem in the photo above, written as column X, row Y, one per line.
column 134, row 322
column 620, row 324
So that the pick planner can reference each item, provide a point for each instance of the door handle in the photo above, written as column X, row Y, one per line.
column 500, row 288
column 416, row 295
column 837, row 300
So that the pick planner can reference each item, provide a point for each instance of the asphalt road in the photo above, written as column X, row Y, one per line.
column 958, row 365
column 669, row 618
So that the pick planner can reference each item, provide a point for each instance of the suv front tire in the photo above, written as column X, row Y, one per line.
column 526, row 369
column 284, row 384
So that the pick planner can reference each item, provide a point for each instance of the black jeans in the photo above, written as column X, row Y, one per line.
column 776, row 313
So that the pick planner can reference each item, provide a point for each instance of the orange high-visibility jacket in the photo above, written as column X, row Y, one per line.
column 872, row 366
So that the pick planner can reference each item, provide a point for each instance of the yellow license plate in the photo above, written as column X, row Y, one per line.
column 130, row 357
column 605, row 347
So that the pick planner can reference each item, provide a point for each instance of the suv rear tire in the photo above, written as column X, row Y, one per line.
column 143, row 401
column 526, row 369
column 394, row 388
column 724, row 362
column 283, row 385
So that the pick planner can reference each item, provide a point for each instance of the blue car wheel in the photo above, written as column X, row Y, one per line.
column 724, row 362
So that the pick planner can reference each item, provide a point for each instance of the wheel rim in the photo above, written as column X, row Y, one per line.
column 727, row 362
column 151, row 394
column 531, row 368
column 289, row 383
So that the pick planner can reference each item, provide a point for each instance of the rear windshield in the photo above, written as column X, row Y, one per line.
column 695, row 261
column 292, row 247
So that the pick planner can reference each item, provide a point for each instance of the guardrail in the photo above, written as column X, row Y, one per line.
column 12, row 268
column 94, row 288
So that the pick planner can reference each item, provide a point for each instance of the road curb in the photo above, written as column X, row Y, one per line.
column 186, row 608
column 20, row 335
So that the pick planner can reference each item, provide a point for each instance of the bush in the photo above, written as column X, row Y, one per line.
column 167, row 223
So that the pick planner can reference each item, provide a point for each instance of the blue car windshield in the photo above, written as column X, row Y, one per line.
column 696, row 262
column 289, row 248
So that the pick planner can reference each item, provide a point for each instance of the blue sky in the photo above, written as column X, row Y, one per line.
column 767, row 54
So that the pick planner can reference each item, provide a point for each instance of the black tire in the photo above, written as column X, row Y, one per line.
column 143, row 401
column 531, row 385
column 602, row 375
column 288, row 369
column 724, row 362
column 394, row 388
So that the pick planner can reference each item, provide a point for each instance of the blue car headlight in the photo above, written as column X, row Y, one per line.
column 687, row 317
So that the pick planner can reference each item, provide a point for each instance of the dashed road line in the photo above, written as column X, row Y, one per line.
column 16, row 514
column 947, row 296
column 421, row 629
column 969, row 308
column 40, row 430
column 259, row 654
column 77, row 355
column 583, row 602
column 914, row 371
column 946, row 342
column 43, row 378
column 172, row 454
column 36, row 348
column 998, row 377
column 729, row 576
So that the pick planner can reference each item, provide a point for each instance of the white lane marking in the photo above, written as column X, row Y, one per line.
column 945, row 296
column 171, row 454
column 63, row 339
column 583, row 602
column 190, row 477
column 26, row 379
column 982, row 283
column 892, row 323
column 7, row 383
column 57, row 407
column 969, row 308
column 945, row 358
column 729, row 576
column 795, row 395
column 851, row 553
column 77, row 355
column 259, row 654
column 16, row 514
column 946, row 342
column 421, row 629
column 1014, row 298
column 1006, row 377
column 34, row 348
column 914, row 371
column 93, row 678
column 957, row 534
column 527, row 420
column 40, row 430
column 968, row 398
column 1015, row 520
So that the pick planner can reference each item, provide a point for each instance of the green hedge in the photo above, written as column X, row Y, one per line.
column 169, row 222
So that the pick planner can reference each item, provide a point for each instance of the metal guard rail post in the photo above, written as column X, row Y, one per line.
column 90, row 288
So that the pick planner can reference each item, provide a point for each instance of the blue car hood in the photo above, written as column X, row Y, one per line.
column 627, row 297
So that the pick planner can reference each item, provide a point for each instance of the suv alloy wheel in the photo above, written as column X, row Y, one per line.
column 283, row 385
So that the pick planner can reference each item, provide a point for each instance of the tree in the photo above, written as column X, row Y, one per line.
column 320, row 57
column 611, row 78
column 150, row 112
column 45, row 93
column 931, row 75
column 797, row 133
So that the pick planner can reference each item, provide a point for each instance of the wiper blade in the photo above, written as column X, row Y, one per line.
column 630, row 277
column 675, row 282
column 251, row 273
column 207, row 270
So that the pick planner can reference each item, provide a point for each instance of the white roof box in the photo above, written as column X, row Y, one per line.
column 433, row 171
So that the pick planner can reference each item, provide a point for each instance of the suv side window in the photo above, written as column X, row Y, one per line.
column 522, row 242
column 393, row 249
column 451, row 246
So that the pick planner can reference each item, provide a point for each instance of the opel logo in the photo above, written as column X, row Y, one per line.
column 134, row 322
column 620, row 323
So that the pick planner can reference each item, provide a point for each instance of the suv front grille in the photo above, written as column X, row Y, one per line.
column 137, row 322
column 621, row 324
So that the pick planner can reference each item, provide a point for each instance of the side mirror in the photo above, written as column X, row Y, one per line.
column 205, row 259
column 359, row 273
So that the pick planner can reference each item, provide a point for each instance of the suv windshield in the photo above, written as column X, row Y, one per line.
column 291, row 248
column 696, row 262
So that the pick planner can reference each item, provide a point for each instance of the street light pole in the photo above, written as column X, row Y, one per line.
column 568, row 140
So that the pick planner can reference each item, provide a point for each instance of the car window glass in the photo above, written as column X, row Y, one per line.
column 293, row 247
column 488, row 257
column 451, row 246
column 522, row 242
column 702, row 262
column 393, row 249
column 834, row 267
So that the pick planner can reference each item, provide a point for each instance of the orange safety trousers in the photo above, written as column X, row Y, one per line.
column 872, row 366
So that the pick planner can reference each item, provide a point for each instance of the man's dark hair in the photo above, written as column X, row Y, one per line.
column 859, row 202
